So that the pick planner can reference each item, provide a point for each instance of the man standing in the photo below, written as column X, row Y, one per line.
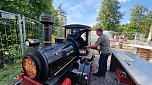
column 104, row 44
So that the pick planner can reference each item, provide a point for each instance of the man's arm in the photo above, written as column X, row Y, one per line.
column 94, row 46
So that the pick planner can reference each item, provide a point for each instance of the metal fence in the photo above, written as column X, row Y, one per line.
column 9, row 40
column 14, row 30
column 32, row 29
column 10, row 47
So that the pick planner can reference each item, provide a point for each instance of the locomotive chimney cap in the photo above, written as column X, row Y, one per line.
column 46, row 18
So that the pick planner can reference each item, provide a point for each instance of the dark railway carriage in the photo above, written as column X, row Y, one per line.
column 65, row 62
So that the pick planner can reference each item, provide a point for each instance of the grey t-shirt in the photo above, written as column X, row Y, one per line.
column 104, row 43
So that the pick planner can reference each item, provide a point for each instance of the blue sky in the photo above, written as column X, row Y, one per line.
column 86, row 11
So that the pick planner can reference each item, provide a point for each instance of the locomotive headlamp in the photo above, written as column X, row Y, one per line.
column 29, row 67
column 32, row 42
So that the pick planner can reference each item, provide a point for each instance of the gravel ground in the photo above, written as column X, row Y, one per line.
column 110, row 78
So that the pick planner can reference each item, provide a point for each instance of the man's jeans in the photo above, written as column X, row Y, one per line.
column 103, row 64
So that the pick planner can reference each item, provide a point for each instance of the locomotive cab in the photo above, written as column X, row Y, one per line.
column 80, row 32
column 72, row 29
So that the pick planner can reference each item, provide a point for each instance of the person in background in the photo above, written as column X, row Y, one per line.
column 104, row 44
column 115, row 38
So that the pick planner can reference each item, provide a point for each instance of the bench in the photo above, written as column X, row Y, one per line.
column 138, row 69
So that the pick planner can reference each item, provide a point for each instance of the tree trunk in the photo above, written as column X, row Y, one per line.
column 149, row 40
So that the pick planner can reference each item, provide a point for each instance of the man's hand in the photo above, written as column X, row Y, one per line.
column 85, row 48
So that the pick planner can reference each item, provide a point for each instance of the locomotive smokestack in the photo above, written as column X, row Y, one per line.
column 47, row 21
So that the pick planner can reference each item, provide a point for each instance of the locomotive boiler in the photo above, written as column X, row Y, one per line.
column 43, row 62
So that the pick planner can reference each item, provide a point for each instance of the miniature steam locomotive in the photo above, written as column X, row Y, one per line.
column 65, row 62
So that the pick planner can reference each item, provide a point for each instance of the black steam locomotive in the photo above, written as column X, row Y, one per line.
column 65, row 62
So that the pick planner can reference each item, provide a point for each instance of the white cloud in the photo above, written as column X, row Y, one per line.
column 123, row 0
column 128, row 21
column 69, row 2
column 98, row 9
column 82, row 11
column 86, row 4
column 91, row 24
column 78, row 11
column 125, row 22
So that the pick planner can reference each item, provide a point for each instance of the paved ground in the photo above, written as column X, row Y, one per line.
column 110, row 78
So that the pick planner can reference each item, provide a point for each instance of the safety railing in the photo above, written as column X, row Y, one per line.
column 10, row 47
column 14, row 30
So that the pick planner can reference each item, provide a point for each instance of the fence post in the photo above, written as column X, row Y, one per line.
column 24, row 30
column 21, row 35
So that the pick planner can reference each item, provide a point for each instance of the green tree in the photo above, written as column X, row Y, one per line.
column 128, row 28
column 96, row 26
column 62, row 15
column 29, row 8
column 16, row 6
column 37, row 7
column 109, row 16
column 34, row 8
column 138, row 18
column 149, row 20
column 60, row 18
column 141, row 20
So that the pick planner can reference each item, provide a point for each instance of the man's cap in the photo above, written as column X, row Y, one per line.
column 99, row 30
